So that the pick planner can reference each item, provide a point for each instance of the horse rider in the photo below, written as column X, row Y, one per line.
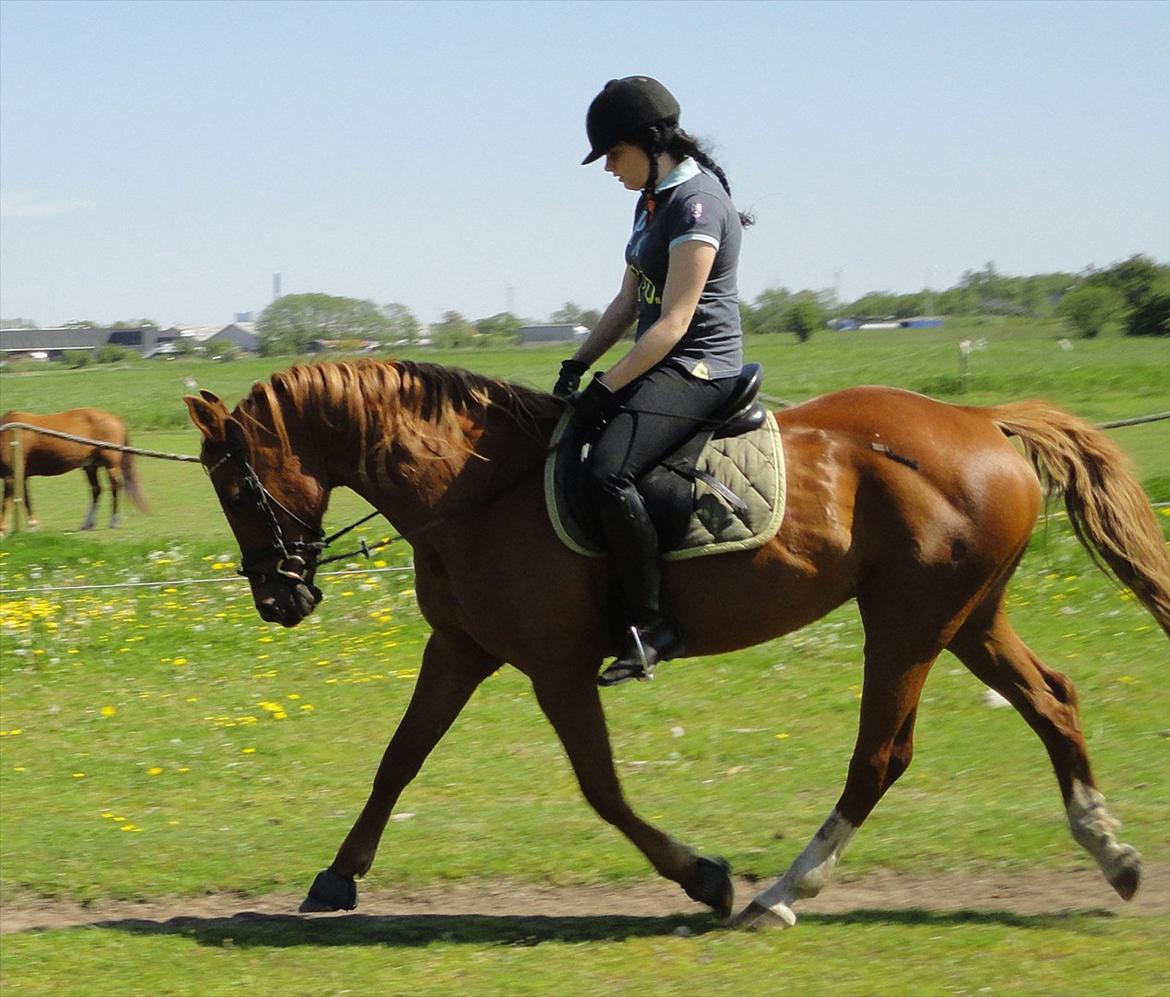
column 680, row 285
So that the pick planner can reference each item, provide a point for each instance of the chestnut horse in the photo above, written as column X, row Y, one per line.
column 45, row 455
column 917, row 509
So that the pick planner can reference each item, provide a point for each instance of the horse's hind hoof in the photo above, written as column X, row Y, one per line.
column 330, row 891
column 711, row 884
column 1125, row 881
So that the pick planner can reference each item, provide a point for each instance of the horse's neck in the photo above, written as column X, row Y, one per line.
column 430, row 476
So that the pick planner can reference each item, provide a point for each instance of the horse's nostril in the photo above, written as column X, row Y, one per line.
column 267, row 610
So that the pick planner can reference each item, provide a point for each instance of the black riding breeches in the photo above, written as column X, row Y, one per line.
column 658, row 413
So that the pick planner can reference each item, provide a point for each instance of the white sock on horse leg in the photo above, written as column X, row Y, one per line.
column 1095, row 830
column 813, row 867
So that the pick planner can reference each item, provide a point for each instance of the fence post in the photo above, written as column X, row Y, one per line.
column 17, row 481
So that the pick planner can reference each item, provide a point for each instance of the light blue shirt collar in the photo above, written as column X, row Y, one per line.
column 685, row 170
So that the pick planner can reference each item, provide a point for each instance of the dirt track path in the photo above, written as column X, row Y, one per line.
column 1027, row 894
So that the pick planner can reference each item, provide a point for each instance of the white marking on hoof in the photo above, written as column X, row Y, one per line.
column 1095, row 830
column 755, row 916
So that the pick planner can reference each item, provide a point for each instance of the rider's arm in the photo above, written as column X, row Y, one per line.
column 614, row 321
column 690, row 266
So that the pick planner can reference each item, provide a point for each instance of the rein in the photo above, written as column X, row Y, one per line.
column 292, row 565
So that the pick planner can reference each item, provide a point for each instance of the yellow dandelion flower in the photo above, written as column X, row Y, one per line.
column 109, row 711
column 78, row 775
column 782, row 736
column 179, row 661
column 154, row 770
column 248, row 751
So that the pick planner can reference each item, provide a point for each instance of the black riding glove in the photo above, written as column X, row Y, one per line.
column 593, row 407
column 570, row 377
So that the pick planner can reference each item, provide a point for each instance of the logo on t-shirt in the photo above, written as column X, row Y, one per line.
column 697, row 210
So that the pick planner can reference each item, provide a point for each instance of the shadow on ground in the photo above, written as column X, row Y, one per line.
column 249, row 929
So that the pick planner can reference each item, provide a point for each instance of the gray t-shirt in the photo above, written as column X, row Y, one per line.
column 692, row 204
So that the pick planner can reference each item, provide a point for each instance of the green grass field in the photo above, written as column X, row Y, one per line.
column 158, row 740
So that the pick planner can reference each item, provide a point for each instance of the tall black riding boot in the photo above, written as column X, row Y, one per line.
column 632, row 542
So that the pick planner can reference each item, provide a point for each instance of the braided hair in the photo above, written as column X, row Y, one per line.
column 666, row 136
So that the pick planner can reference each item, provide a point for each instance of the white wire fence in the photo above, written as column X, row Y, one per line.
column 234, row 580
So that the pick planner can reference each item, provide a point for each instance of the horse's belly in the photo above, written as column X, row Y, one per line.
column 46, row 465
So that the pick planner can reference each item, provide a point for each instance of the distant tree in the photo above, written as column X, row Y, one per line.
column 1089, row 308
column 1152, row 316
column 1134, row 279
column 503, row 327
column 135, row 323
column 290, row 323
column 402, row 328
column 18, row 323
column 75, row 323
column 875, row 305
column 804, row 318
column 453, row 332
column 766, row 314
column 987, row 285
column 570, row 311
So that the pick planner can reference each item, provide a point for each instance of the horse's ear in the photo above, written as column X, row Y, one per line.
column 209, row 416
column 210, row 396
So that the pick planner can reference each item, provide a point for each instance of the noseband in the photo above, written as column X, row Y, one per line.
column 291, row 564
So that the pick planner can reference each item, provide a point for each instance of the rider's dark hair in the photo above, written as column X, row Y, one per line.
column 669, row 138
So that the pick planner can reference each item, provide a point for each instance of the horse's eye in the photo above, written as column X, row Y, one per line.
column 234, row 500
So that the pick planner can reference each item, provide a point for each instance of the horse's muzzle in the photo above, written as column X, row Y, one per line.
column 287, row 604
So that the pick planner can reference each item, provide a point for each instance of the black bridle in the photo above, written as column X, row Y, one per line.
column 292, row 554
column 292, row 566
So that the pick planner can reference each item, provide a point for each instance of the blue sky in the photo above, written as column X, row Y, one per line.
column 164, row 160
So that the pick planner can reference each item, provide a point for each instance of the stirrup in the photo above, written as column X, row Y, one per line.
column 630, row 667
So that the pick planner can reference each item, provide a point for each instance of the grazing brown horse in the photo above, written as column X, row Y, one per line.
column 46, row 455
column 917, row 509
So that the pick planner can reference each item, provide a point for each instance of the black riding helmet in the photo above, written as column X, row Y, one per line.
column 622, row 108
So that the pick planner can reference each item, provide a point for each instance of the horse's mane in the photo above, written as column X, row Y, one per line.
column 419, row 410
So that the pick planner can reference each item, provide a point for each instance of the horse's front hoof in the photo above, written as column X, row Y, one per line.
column 330, row 891
column 756, row 917
column 711, row 884
column 1129, row 874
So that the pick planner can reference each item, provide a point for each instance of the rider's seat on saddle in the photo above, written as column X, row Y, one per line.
column 743, row 411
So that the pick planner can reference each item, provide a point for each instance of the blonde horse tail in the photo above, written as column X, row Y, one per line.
column 1109, row 511
column 130, row 480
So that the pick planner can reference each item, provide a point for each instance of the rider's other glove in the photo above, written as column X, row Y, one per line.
column 594, row 406
column 570, row 377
